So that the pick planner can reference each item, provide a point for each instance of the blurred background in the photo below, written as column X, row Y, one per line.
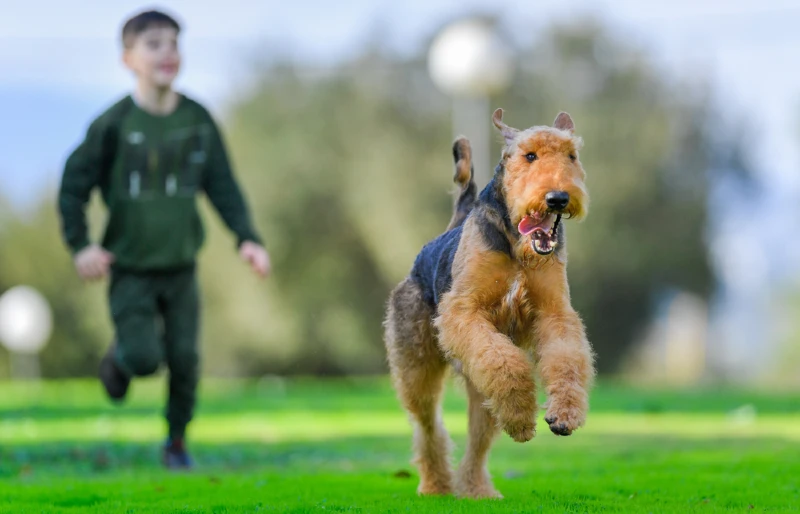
column 339, row 120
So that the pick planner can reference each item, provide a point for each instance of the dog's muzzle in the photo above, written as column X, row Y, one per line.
column 543, row 230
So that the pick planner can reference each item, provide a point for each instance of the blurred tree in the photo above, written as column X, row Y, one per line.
column 348, row 176
column 786, row 356
column 353, row 165
column 31, row 253
column 348, row 171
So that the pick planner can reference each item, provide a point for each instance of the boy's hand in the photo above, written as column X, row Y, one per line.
column 93, row 262
column 256, row 256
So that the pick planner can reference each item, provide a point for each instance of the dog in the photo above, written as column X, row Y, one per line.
column 490, row 297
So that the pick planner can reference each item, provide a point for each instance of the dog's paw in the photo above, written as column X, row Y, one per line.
column 520, row 429
column 434, row 489
column 563, row 421
column 474, row 482
column 516, row 415
column 521, row 433
column 480, row 493
column 517, row 419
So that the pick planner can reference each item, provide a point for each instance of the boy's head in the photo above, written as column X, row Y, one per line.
column 150, row 47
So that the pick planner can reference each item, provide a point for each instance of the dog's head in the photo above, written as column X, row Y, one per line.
column 542, row 179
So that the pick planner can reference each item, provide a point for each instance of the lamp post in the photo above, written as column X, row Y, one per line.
column 26, row 323
column 470, row 62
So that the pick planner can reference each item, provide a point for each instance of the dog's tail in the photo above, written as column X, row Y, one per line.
column 464, row 177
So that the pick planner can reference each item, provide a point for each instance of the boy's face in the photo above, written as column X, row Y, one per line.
column 153, row 56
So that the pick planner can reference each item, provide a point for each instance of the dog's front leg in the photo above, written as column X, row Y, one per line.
column 566, row 366
column 499, row 370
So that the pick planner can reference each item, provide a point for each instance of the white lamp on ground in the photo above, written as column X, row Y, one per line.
column 26, row 323
column 469, row 61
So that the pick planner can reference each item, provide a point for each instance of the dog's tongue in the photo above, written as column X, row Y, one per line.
column 530, row 224
column 527, row 225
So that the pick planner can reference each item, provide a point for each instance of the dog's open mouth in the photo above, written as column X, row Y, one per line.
column 543, row 229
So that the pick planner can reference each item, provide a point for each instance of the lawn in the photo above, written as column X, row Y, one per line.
column 344, row 446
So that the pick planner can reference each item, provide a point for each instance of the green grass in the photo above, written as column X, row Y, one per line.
column 344, row 446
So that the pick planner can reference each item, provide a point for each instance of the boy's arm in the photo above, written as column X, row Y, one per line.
column 224, row 193
column 82, row 172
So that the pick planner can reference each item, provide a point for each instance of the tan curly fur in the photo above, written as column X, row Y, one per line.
column 502, row 319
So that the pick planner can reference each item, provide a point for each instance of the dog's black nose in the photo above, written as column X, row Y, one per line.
column 557, row 200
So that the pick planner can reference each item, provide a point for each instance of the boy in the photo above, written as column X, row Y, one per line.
column 150, row 154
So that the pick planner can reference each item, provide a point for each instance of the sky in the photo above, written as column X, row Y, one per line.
column 60, row 59
column 60, row 67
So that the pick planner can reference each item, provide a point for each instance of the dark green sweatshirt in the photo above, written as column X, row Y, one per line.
column 149, row 170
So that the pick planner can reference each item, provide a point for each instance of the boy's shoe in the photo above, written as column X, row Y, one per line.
column 113, row 379
column 175, row 455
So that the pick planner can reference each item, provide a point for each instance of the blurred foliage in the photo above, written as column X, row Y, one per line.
column 348, row 171
column 31, row 253
column 786, row 304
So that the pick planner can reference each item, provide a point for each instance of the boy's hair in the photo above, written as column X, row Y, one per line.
column 143, row 21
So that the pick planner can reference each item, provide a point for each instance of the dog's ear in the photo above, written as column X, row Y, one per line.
column 564, row 122
column 509, row 133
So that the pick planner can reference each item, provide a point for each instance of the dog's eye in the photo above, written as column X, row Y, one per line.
column 531, row 157
column 572, row 157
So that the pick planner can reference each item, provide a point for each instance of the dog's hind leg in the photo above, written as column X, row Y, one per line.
column 418, row 370
column 473, row 479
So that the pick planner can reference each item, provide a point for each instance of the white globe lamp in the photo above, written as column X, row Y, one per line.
column 469, row 61
column 468, row 58
column 26, row 323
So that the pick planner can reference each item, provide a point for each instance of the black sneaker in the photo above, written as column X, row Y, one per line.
column 176, row 457
column 113, row 379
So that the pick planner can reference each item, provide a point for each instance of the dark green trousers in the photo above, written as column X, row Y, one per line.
column 156, row 318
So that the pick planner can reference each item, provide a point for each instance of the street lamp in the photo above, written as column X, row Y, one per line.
column 470, row 62
column 26, row 323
